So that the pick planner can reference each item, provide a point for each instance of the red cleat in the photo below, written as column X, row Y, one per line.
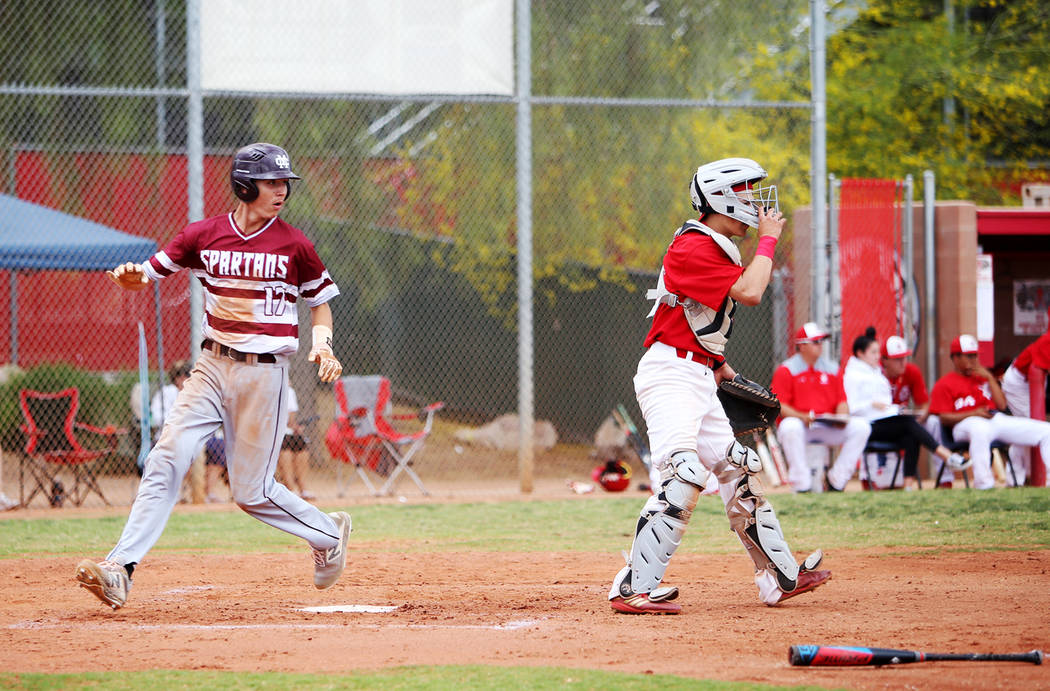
column 807, row 581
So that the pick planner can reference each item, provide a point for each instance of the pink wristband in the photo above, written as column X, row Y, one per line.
column 767, row 244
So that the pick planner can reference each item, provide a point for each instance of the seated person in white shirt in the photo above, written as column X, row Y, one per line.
column 164, row 400
column 869, row 395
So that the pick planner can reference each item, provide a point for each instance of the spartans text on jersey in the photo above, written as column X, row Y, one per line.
column 244, row 264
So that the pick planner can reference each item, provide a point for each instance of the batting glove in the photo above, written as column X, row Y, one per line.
column 129, row 276
column 328, row 367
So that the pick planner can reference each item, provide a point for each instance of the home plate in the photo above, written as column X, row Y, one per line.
column 370, row 609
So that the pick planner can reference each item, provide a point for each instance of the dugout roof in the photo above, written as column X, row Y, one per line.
column 34, row 237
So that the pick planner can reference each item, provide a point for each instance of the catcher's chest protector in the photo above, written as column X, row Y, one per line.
column 710, row 326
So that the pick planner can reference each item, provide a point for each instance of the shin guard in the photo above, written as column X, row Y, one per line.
column 663, row 521
column 752, row 518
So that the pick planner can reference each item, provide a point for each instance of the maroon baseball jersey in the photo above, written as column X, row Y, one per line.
column 251, row 282
column 694, row 267
column 909, row 386
column 954, row 393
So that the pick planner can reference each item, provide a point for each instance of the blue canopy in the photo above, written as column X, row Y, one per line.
column 34, row 237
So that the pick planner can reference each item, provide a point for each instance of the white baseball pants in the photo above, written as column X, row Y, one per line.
column 250, row 402
column 1015, row 388
column 793, row 435
column 679, row 401
column 1012, row 429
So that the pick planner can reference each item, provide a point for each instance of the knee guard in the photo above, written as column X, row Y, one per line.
column 739, row 460
column 662, row 522
column 744, row 457
column 752, row 518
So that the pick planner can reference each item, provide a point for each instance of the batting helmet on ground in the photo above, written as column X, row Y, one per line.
column 259, row 161
column 613, row 476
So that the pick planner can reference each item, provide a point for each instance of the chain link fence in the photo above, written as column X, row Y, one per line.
column 410, row 201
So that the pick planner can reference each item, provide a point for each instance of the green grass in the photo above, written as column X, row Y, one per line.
column 450, row 677
column 992, row 520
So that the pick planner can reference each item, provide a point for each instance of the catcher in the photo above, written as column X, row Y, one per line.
column 692, row 441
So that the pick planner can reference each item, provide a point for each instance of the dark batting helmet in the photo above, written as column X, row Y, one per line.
column 259, row 161
column 613, row 476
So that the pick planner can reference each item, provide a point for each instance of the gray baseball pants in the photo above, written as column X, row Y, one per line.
column 250, row 402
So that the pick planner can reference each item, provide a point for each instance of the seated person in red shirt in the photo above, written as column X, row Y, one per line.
column 1015, row 388
column 908, row 388
column 969, row 401
column 808, row 386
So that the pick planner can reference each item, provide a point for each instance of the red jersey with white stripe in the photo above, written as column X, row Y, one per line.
column 1037, row 353
column 817, row 387
column 694, row 267
column 909, row 386
column 251, row 282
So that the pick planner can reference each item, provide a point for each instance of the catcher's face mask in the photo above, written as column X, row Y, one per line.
column 763, row 197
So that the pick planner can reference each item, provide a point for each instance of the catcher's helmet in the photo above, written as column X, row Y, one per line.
column 259, row 161
column 726, row 187
column 613, row 476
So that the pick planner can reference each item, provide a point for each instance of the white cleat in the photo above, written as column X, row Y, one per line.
column 106, row 580
column 329, row 563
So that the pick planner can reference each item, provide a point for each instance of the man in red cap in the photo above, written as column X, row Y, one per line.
column 809, row 386
column 908, row 387
column 969, row 401
column 1015, row 388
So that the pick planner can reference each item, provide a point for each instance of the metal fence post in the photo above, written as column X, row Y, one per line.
column 818, row 157
column 834, row 287
column 195, row 156
column 524, row 217
column 929, row 193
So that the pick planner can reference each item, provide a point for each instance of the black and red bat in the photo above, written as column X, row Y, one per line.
column 634, row 437
column 848, row 656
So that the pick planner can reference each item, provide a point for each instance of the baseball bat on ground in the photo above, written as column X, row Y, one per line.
column 847, row 656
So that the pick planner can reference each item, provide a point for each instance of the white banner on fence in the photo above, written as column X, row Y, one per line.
column 358, row 46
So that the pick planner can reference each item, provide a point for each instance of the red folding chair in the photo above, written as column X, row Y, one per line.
column 363, row 433
column 52, row 446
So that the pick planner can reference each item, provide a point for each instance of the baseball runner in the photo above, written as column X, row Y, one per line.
column 969, row 401
column 254, row 268
column 701, row 282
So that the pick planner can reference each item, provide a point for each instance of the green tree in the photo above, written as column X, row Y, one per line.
column 610, row 183
column 890, row 71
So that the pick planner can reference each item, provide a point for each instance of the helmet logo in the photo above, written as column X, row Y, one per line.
column 281, row 161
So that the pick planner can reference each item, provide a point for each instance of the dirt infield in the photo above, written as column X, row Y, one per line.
column 245, row 613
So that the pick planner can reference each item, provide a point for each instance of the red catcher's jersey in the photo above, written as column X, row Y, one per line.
column 694, row 267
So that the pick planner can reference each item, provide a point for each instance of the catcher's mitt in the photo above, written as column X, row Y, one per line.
column 749, row 406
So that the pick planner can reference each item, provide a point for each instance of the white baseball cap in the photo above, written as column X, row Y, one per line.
column 965, row 344
column 810, row 333
column 895, row 347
